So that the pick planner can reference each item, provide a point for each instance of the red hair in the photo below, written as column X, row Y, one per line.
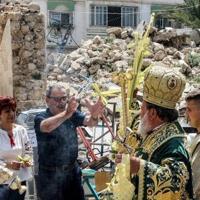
column 7, row 102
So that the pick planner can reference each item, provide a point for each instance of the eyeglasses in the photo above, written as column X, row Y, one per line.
column 58, row 99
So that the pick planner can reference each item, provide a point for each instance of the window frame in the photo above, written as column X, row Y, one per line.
column 60, row 24
column 127, row 21
column 101, row 19
column 103, row 15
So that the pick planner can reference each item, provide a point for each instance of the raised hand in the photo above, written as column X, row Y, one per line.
column 95, row 109
column 71, row 106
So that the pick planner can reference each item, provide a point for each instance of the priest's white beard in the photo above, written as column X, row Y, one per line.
column 144, row 126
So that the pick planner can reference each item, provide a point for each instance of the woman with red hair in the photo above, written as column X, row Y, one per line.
column 14, row 147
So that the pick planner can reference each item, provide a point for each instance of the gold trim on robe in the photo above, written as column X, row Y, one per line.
column 166, row 180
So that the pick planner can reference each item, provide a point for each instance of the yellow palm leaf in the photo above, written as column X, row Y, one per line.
column 109, row 93
column 141, row 44
column 99, row 93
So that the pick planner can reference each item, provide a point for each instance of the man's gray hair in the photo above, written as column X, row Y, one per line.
column 50, row 87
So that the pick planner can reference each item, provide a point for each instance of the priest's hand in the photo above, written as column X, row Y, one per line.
column 134, row 165
column 14, row 165
column 118, row 158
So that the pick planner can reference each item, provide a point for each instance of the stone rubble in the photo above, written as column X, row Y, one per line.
column 99, row 57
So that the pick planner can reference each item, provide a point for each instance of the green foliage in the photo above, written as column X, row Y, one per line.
column 196, row 79
column 194, row 59
column 188, row 13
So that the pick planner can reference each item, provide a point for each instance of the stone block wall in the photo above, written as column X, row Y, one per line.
column 28, row 51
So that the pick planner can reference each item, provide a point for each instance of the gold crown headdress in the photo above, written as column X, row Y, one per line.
column 163, row 86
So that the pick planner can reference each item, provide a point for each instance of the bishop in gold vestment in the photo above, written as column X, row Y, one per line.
column 160, row 167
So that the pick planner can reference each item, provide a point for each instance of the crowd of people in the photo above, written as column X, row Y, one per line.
column 164, row 166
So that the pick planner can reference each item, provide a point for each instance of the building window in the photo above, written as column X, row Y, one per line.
column 162, row 22
column 129, row 16
column 113, row 16
column 98, row 15
column 60, row 19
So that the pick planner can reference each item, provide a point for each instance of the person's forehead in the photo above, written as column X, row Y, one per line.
column 7, row 108
column 193, row 103
column 58, row 91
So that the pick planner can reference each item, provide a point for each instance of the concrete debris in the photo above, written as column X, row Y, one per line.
column 95, row 60
column 100, row 57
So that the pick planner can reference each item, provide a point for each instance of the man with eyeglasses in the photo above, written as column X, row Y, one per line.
column 59, row 175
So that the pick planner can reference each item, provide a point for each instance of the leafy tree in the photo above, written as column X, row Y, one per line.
column 188, row 13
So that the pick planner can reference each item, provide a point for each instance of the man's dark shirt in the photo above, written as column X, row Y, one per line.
column 60, row 147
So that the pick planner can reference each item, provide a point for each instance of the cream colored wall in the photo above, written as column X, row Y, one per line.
column 80, row 21
column 144, row 1
column 81, row 14
column 161, row 1
column 82, row 7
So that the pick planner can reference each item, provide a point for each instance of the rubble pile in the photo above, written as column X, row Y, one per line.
column 100, row 57
column 28, row 49
column 96, row 59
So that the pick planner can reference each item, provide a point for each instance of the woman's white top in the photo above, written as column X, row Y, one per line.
column 22, row 147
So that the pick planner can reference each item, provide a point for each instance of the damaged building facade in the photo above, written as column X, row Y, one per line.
column 92, row 17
